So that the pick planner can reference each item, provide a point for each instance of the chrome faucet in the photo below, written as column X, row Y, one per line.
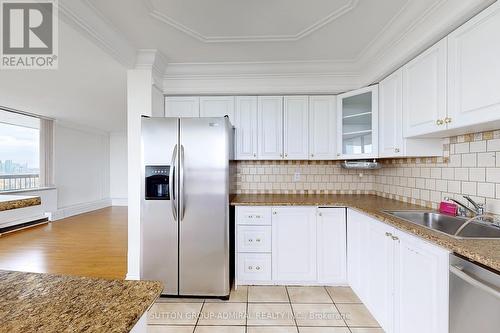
column 477, row 211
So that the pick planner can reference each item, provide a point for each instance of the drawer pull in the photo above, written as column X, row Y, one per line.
column 250, row 240
column 250, row 268
column 258, row 240
column 257, row 268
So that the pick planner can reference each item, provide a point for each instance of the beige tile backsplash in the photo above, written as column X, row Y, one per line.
column 470, row 166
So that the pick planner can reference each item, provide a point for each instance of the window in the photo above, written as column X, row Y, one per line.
column 19, row 151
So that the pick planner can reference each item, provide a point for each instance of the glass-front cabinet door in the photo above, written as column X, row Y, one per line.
column 358, row 123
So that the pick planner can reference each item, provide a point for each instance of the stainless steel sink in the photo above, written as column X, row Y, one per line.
column 448, row 224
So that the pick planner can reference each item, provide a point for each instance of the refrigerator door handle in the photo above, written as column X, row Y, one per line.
column 171, row 184
column 181, row 186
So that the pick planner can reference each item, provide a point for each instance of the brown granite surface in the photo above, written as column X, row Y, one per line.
column 8, row 202
column 486, row 252
column 33, row 302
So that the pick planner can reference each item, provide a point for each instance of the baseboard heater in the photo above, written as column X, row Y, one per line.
column 22, row 226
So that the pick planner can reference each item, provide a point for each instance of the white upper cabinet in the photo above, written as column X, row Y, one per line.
column 391, row 115
column 322, row 127
column 421, row 286
column 424, row 92
column 296, row 127
column 294, row 244
column 270, row 127
column 182, row 106
column 331, row 246
column 246, row 128
column 358, row 123
column 474, row 70
column 217, row 106
column 391, row 140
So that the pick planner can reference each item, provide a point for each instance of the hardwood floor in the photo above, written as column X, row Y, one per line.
column 92, row 244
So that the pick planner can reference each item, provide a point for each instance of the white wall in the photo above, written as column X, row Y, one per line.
column 118, row 168
column 81, row 168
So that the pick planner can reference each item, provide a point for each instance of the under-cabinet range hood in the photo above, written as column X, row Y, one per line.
column 361, row 165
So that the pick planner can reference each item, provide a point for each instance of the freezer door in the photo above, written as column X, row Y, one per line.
column 204, row 207
column 159, row 246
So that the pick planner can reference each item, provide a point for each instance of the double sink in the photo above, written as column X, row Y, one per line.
column 450, row 224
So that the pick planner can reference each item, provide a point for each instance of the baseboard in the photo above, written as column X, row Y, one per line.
column 119, row 201
column 73, row 210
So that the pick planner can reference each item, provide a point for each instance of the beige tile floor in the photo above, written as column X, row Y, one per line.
column 266, row 309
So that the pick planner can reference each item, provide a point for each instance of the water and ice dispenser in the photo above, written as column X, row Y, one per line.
column 157, row 182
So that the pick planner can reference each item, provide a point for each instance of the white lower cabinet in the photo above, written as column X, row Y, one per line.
column 421, row 286
column 294, row 244
column 291, row 245
column 254, row 238
column 254, row 268
column 331, row 246
column 380, row 267
column 402, row 279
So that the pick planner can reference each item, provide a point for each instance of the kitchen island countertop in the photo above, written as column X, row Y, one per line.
column 35, row 302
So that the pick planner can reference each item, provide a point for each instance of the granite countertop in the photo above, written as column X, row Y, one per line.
column 8, row 202
column 483, row 251
column 34, row 302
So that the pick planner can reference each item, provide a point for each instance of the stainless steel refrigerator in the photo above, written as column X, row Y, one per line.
column 185, row 204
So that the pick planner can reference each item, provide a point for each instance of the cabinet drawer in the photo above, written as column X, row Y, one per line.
column 254, row 238
column 254, row 267
column 253, row 215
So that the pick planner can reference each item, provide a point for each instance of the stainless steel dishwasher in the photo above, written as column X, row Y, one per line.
column 474, row 298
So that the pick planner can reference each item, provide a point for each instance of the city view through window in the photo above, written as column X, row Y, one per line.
column 19, row 152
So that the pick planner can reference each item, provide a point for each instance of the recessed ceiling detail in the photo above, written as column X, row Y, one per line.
column 248, row 21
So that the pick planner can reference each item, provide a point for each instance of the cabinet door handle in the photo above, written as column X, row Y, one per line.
column 250, row 268
column 394, row 238
column 274, row 213
column 447, row 120
column 388, row 234
column 258, row 240
column 286, row 155
column 439, row 122
column 396, row 150
column 257, row 268
column 312, row 155
column 254, row 155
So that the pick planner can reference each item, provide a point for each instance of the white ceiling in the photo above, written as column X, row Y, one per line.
column 89, row 88
column 272, row 46
column 253, row 31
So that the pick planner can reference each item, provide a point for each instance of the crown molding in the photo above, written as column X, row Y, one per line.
column 84, row 17
column 162, row 17
column 434, row 24
column 325, row 77
column 333, row 83
column 154, row 60
column 318, row 67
